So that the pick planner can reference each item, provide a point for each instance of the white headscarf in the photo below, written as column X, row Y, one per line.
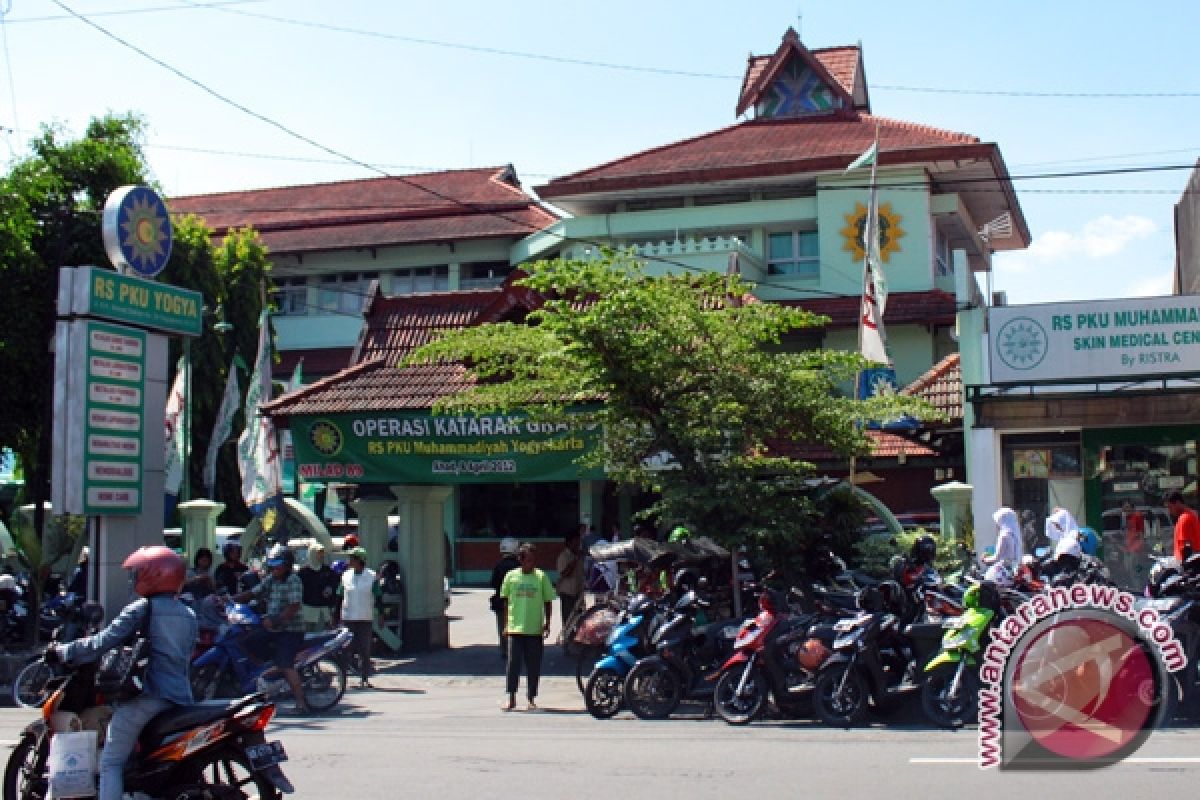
column 1008, row 536
column 1060, row 522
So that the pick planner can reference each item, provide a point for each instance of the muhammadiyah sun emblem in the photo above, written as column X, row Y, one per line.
column 325, row 437
column 890, row 232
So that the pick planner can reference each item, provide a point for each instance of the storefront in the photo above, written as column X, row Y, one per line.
column 1087, row 407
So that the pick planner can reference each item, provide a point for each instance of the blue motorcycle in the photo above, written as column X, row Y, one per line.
column 228, row 670
column 627, row 642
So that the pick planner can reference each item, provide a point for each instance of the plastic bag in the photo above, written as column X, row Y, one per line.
column 72, row 764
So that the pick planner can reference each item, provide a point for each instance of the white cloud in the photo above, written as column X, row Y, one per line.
column 1153, row 285
column 1098, row 238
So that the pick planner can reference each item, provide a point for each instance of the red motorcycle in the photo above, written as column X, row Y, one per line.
column 775, row 656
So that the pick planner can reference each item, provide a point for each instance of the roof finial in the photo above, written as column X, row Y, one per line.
column 800, row 23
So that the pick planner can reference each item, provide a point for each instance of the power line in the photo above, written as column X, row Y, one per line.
column 216, row 6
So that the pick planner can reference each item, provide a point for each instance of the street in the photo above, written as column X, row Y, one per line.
column 433, row 729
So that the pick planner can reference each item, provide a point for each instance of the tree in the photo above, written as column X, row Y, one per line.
column 686, row 366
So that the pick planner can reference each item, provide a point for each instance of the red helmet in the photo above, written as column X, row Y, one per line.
column 350, row 541
column 156, row 570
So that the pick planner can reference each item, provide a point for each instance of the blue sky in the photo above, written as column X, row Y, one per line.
column 382, row 91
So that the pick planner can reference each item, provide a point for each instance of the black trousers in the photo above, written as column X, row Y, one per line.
column 363, row 633
column 527, row 650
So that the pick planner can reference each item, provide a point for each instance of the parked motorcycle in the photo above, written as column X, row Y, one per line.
column 684, row 662
column 950, row 693
column 227, row 669
column 77, row 619
column 876, row 659
column 627, row 642
column 208, row 752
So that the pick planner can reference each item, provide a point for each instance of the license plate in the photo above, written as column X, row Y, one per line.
column 266, row 754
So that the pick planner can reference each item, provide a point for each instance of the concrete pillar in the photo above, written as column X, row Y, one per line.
column 200, row 527
column 421, row 553
column 954, row 499
column 373, row 526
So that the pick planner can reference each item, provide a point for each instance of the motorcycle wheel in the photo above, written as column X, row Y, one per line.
column 29, row 687
column 943, row 710
column 739, row 709
column 584, row 664
column 229, row 768
column 844, row 708
column 324, row 683
column 604, row 694
column 25, row 775
column 653, row 690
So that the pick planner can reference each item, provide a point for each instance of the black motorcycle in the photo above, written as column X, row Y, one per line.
column 213, row 751
column 684, row 661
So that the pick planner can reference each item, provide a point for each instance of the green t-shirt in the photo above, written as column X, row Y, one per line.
column 527, row 595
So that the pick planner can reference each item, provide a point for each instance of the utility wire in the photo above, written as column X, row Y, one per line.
column 216, row 6
column 8, row 68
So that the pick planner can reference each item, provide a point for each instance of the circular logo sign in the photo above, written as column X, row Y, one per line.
column 1086, row 690
column 325, row 437
column 136, row 231
column 1021, row 343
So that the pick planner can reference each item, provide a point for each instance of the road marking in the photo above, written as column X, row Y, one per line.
column 1133, row 760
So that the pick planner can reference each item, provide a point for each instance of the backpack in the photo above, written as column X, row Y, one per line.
column 122, row 671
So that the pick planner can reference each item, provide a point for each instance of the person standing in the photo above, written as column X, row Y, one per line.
column 506, row 564
column 570, row 575
column 1134, row 525
column 320, row 585
column 1187, row 527
column 158, row 575
column 359, row 592
column 529, row 605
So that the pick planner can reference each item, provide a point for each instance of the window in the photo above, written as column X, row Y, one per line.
column 943, row 256
column 293, row 296
column 344, row 292
column 420, row 279
column 795, row 254
column 485, row 275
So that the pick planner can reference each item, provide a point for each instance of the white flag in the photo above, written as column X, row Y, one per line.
column 223, row 425
column 258, row 447
column 872, row 339
column 174, row 433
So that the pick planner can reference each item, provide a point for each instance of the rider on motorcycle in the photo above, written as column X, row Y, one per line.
column 284, row 624
column 157, row 574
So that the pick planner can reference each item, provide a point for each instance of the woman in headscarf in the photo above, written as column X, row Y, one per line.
column 1008, row 539
column 1060, row 522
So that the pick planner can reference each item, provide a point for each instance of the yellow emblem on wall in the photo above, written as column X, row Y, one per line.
column 890, row 231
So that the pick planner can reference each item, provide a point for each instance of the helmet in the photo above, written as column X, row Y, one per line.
column 229, row 546
column 812, row 654
column 982, row 595
column 280, row 556
column 339, row 566
column 679, row 534
column 895, row 601
column 999, row 574
column 869, row 598
column 923, row 550
column 508, row 546
column 156, row 570
column 350, row 541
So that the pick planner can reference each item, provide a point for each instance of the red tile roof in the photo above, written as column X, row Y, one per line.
column 318, row 362
column 375, row 385
column 431, row 207
column 840, row 62
column 775, row 147
column 398, row 325
column 791, row 47
column 933, row 307
column 942, row 388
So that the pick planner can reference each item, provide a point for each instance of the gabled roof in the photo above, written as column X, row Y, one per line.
column 941, row 387
column 403, row 209
column 761, row 73
column 395, row 326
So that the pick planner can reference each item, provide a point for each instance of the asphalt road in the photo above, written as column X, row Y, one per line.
column 433, row 729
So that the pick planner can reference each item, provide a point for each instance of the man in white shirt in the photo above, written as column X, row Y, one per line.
column 358, row 592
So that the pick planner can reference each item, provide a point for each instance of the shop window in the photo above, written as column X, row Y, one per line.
column 796, row 254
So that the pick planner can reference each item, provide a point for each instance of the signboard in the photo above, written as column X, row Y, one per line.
column 136, row 230
column 426, row 449
column 106, row 413
column 1102, row 339
column 135, row 301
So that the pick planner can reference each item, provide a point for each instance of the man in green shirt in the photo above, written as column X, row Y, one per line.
column 528, row 597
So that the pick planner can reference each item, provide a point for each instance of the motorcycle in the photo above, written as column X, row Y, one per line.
column 228, row 670
column 207, row 752
column 775, row 655
column 77, row 619
column 627, row 642
column 684, row 663
column 876, row 660
column 950, row 692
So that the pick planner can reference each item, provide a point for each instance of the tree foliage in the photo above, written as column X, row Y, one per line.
column 685, row 369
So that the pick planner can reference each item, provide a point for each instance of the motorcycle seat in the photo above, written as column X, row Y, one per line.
column 183, row 717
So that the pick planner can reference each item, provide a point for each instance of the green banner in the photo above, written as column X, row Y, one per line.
column 423, row 448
